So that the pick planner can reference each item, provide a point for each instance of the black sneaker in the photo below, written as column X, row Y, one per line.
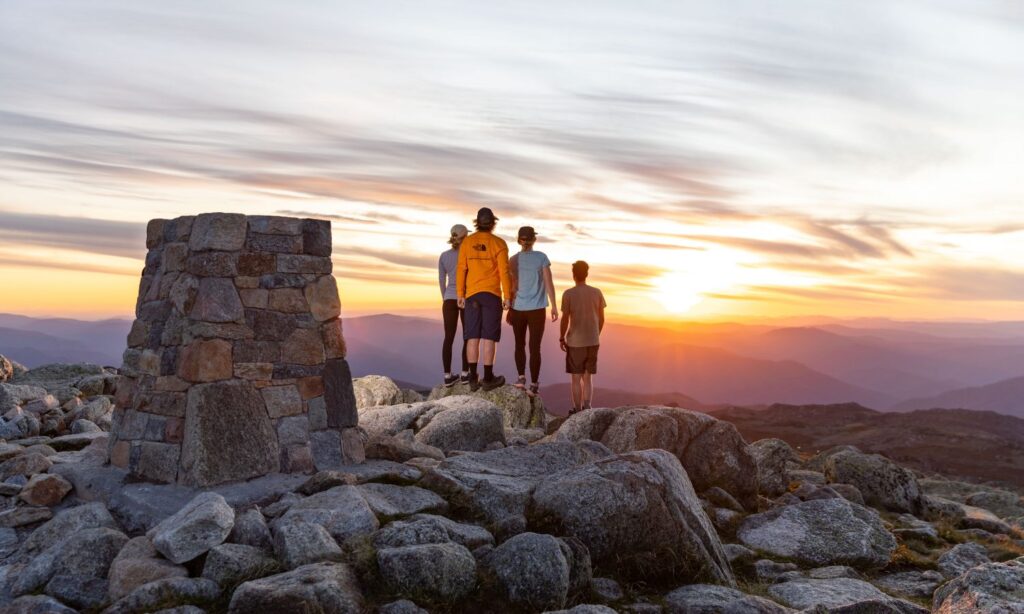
column 496, row 382
column 464, row 378
column 474, row 383
column 451, row 380
column 587, row 406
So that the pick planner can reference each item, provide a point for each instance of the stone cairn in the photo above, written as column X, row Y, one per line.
column 235, row 366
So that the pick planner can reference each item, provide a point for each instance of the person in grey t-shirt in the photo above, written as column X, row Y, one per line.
column 582, row 322
column 447, row 265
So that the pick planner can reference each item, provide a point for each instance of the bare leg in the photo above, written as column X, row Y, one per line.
column 472, row 351
column 588, row 389
column 577, row 390
column 488, row 349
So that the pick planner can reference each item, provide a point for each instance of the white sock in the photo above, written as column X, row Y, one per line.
column 447, row 375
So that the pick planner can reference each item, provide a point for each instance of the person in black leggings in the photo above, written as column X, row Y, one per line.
column 450, row 312
column 532, row 288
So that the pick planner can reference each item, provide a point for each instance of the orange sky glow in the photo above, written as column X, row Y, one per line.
column 712, row 161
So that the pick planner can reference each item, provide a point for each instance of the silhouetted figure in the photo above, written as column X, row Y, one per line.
column 481, row 280
column 447, row 266
column 532, row 288
column 582, row 322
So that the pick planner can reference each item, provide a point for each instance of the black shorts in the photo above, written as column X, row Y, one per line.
column 581, row 360
column 482, row 317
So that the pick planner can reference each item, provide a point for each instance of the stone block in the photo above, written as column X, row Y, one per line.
column 178, row 229
column 155, row 428
column 206, row 360
column 170, row 383
column 174, row 430
column 282, row 401
column 317, row 412
column 303, row 347
column 326, row 449
column 257, row 351
column 256, row 298
column 155, row 233
column 290, row 371
column 183, row 293
column 316, row 237
column 275, row 244
column 310, row 387
column 297, row 459
column 322, row 296
column 285, row 280
column 228, row 435
column 254, row 371
column 301, row 263
column 270, row 325
column 218, row 231
column 293, row 431
column 138, row 334
column 217, row 301
column 149, row 362
column 339, row 395
column 157, row 462
column 213, row 264
column 132, row 424
column 164, row 403
column 212, row 330
column 275, row 225
column 120, row 453
column 247, row 282
column 175, row 257
column 255, row 264
column 352, row 445
column 334, row 340
column 288, row 300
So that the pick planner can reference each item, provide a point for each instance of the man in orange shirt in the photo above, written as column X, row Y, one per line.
column 482, row 282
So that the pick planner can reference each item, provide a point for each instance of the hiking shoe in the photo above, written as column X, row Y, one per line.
column 491, row 384
column 534, row 389
column 474, row 384
column 521, row 382
column 451, row 380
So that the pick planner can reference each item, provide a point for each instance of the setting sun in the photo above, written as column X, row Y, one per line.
column 680, row 291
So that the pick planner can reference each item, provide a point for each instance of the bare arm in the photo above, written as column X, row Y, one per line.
column 549, row 283
column 564, row 326
column 600, row 315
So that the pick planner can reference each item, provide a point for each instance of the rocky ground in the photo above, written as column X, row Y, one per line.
column 475, row 503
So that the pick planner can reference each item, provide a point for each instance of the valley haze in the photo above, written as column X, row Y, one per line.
column 885, row 365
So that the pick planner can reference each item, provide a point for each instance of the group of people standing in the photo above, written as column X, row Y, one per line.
column 479, row 282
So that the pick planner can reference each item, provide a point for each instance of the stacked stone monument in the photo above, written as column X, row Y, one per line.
column 235, row 366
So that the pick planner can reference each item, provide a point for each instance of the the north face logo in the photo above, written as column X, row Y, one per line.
column 480, row 247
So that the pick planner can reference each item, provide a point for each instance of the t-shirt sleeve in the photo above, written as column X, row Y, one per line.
column 601, row 295
column 544, row 261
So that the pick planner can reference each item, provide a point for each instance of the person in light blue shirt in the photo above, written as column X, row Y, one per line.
column 447, row 265
column 533, row 290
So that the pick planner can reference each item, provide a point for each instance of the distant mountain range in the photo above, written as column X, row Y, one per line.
column 954, row 442
column 883, row 364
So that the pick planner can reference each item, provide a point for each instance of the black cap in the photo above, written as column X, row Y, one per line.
column 527, row 233
column 485, row 215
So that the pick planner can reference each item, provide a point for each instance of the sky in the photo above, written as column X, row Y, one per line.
column 719, row 159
